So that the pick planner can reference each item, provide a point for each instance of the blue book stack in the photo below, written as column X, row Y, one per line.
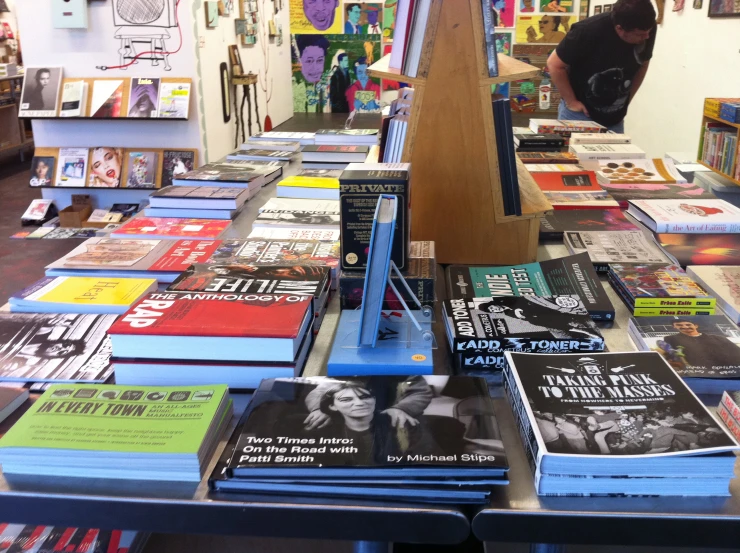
column 370, row 342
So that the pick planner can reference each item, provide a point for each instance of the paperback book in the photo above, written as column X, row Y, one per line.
column 300, row 205
column 687, row 216
column 41, row 90
column 37, row 347
column 143, row 97
column 107, row 97
column 334, row 154
column 199, row 197
column 221, row 175
column 615, row 424
column 171, row 228
column 74, row 99
column 72, row 167
column 658, row 285
column 553, row 226
column 174, row 100
column 703, row 349
column 141, row 170
column 347, row 137
column 572, row 275
column 44, row 539
column 701, row 249
column 721, row 282
column 176, row 163
column 297, row 220
column 420, row 275
column 595, row 152
column 547, row 157
column 626, row 246
column 42, row 171
column 279, row 233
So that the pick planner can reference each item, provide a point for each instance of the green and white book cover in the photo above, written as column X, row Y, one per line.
column 120, row 419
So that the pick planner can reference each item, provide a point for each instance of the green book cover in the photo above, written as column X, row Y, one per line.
column 517, row 280
column 122, row 419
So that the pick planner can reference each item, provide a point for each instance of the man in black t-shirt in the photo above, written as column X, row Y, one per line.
column 701, row 349
column 601, row 63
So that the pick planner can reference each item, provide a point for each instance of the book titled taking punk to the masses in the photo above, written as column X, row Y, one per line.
column 360, row 435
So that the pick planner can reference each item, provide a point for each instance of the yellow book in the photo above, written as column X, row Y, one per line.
column 81, row 295
column 310, row 182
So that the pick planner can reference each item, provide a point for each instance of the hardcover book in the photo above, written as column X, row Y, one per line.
column 553, row 226
column 572, row 275
column 585, row 420
column 723, row 283
column 171, row 228
column 687, row 216
column 595, row 152
column 701, row 249
column 528, row 323
column 359, row 190
column 107, row 96
column 213, row 326
column 144, row 97
column 703, row 346
column 176, row 163
column 220, row 175
column 72, row 167
column 80, row 295
column 625, row 246
column 657, row 285
column 38, row 347
column 174, row 100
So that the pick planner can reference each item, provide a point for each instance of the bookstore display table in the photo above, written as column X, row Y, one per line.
column 514, row 514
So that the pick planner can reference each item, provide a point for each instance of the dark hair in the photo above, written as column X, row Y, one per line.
column 78, row 346
column 556, row 19
column 40, row 71
column 341, row 56
column 328, row 397
column 304, row 41
column 348, row 7
column 685, row 321
column 362, row 60
column 634, row 14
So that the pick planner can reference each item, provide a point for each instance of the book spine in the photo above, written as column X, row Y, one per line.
column 526, row 433
column 730, row 422
column 498, row 125
column 488, row 31
column 678, row 303
column 660, row 312
column 350, row 292
column 514, row 176
column 730, row 405
column 491, row 361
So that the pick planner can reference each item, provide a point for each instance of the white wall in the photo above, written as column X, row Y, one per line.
column 219, row 136
column 695, row 57
column 79, row 51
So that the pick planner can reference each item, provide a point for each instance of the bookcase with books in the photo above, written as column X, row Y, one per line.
column 718, row 142
column 458, row 192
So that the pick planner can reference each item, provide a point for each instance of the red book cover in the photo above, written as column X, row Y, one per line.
column 184, row 254
column 215, row 314
column 576, row 181
column 171, row 227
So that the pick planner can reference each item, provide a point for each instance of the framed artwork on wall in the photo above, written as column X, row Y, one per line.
column 597, row 10
column 607, row 7
column 724, row 8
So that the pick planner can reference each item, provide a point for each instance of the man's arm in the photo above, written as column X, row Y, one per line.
column 639, row 77
column 559, row 75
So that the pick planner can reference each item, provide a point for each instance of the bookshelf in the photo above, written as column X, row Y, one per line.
column 451, row 144
column 709, row 119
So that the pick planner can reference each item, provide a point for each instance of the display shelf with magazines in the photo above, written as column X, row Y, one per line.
column 459, row 168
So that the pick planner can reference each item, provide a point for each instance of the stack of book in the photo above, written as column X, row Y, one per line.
column 171, row 228
column 105, row 431
column 162, row 260
column 615, row 246
column 657, row 289
column 687, row 216
column 531, row 142
column 570, row 187
column 703, row 349
column 197, row 202
column 313, row 184
column 326, row 156
column 480, row 329
column 721, row 282
column 565, row 128
column 334, row 437
column 408, row 38
column 616, row 424
column 193, row 338
column 303, row 138
column 395, row 127
column 81, row 295
column 347, row 137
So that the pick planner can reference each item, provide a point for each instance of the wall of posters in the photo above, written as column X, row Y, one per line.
column 542, row 29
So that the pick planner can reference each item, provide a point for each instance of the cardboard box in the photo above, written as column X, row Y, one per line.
column 76, row 214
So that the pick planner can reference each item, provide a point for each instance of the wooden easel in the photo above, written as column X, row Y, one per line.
column 451, row 144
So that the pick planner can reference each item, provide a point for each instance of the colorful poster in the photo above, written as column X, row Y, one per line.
column 541, row 29
column 389, row 19
column 503, row 12
column 363, row 18
column 503, row 42
column 524, row 94
column 316, row 17
column 556, row 6
column 330, row 73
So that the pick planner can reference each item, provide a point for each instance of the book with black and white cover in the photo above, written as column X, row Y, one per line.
column 41, row 89
column 54, row 347
column 302, row 137
column 441, row 444
column 723, row 282
column 553, row 225
column 527, row 323
column 347, row 137
column 300, row 205
column 325, row 153
column 624, row 246
column 74, row 99
column 280, row 145
column 703, row 349
column 199, row 197
column 271, row 170
column 221, row 176
column 258, row 154
column 615, row 423
column 297, row 220
column 687, row 216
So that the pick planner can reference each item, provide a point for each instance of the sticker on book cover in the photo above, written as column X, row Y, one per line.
column 86, row 393
column 178, row 396
column 109, row 394
column 351, row 258
column 418, row 357
column 202, row 395
column 156, row 396
column 569, row 303
column 132, row 395
column 192, row 228
column 62, row 392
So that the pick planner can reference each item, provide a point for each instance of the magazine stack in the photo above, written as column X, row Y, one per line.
column 403, row 438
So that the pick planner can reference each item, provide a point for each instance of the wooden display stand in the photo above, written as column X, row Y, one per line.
column 451, row 144
column 731, row 176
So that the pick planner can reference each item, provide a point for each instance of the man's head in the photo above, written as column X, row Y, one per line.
column 63, row 348
column 549, row 23
column 312, row 50
column 343, row 60
column 633, row 20
column 361, row 69
column 686, row 327
column 372, row 15
column 354, row 12
column 320, row 13
column 43, row 76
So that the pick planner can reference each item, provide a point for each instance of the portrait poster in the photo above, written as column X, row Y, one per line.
column 541, row 29
column 503, row 12
column 525, row 94
column 322, row 82
column 41, row 89
column 556, row 6
column 316, row 17
column 503, row 42
column 363, row 18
